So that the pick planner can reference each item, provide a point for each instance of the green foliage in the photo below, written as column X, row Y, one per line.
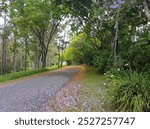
column 138, row 57
column 80, row 50
column 103, row 60
column 17, row 75
column 39, row 20
column 129, row 91
column 68, row 55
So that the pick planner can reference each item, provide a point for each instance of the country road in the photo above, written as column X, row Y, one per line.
column 32, row 95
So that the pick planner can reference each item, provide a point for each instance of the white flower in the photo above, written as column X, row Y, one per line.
column 126, row 64
column 118, row 69
column 104, row 73
column 112, row 76
column 104, row 84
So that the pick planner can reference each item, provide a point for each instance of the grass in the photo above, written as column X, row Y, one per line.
column 129, row 91
column 91, row 96
column 13, row 76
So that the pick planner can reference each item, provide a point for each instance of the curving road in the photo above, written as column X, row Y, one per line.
column 33, row 94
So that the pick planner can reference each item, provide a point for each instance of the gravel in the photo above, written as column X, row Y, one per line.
column 32, row 95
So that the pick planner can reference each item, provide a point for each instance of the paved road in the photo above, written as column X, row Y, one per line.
column 33, row 94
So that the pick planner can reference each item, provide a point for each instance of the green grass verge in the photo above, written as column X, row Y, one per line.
column 92, row 93
column 12, row 76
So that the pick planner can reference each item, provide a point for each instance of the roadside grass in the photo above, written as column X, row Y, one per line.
column 91, row 96
column 17, row 75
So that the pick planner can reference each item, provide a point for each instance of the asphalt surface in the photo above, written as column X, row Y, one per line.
column 32, row 95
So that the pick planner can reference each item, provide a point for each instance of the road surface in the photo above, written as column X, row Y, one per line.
column 32, row 95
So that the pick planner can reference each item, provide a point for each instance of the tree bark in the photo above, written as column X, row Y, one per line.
column 25, row 58
column 14, row 56
column 58, row 48
column 114, row 41
column 4, row 65
column 147, row 10
column 3, row 56
column 44, row 56
column 38, row 60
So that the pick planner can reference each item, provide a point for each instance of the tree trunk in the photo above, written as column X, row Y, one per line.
column 25, row 58
column 3, row 69
column 38, row 60
column 14, row 56
column 37, row 57
column 44, row 56
column 114, row 42
column 147, row 10
column 22, row 63
column 58, row 55
column 3, row 56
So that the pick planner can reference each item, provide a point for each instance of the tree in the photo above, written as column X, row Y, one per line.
column 40, row 19
column 4, row 35
column 80, row 50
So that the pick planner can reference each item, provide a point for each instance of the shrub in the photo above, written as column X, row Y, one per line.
column 129, row 91
column 102, row 61
column 138, row 57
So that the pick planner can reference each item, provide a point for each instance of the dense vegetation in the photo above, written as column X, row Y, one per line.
column 115, row 39
column 29, row 33
column 112, row 36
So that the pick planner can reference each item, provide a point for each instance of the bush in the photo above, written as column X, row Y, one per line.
column 102, row 61
column 129, row 91
column 138, row 57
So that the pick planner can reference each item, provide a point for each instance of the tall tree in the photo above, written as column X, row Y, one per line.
column 4, row 35
column 41, row 19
